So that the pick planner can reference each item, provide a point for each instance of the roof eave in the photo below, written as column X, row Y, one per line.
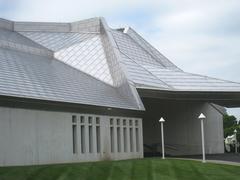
column 223, row 98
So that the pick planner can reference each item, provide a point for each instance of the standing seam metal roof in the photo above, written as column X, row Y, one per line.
column 86, row 62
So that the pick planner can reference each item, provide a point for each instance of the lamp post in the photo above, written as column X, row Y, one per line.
column 162, row 133
column 236, row 143
column 202, row 117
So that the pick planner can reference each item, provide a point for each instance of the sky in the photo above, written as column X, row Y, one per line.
column 199, row 36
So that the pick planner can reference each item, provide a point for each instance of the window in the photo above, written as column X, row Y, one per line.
column 112, row 139
column 90, row 134
column 118, row 139
column 97, row 120
column 131, row 139
column 111, row 121
column 124, row 122
column 125, row 139
column 130, row 122
column 90, row 120
column 137, row 140
column 74, row 119
column 136, row 122
column 74, row 134
column 98, row 135
column 83, row 144
column 118, row 122
column 82, row 131
column 98, row 139
column 82, row 119
column 90, row 139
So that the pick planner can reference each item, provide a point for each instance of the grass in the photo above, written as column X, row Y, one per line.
column 144, row 169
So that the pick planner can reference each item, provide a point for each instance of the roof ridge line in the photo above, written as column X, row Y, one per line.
column 123, row 85
column 75, row 69
column 147, row 50
column 20, row 34
column 144, row 49
column 211, row 77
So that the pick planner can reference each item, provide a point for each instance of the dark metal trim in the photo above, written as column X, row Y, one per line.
column 27, row 103
column 227, row 99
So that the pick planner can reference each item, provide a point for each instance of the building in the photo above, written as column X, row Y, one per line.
column 81, row 91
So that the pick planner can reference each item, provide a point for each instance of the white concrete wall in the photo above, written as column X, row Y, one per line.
column 42, row 137
column 182, row 128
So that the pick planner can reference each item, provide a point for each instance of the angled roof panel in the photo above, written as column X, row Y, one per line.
column 148, row 68
column 83, row 51
column 31, row 76
column 150, row 49
column 130, row 48
column 180, row 80
column 139, row 75
column 14, row 37
column 57, row 40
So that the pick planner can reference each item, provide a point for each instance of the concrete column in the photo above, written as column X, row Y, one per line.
column 105, row 137
column 140, row 137
column 79, row 136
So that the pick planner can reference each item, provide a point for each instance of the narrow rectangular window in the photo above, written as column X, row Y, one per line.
column 112, row 139
column 130, row 122
column 111, row 121
column 74, row 134
column 98, row 138
column 90, row 120
column 124, row 122
column 98, row 135
column 118, row 122
column 136, row 122
column 90, row 139
column 131, row 139
column 125, row 139
column 137, row 140
column 118, row 139
column 74, row 130
column 83, row 144
column 82, row 119
column 97, row 120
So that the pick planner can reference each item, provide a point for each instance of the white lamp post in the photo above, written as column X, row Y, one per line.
column 202, row 117
column 163, row 150
column 236, row 143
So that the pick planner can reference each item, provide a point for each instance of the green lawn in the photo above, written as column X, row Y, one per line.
column 149, row 168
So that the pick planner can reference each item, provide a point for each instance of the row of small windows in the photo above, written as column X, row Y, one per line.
column 124, row 135
column 79, row 128
column 123, row 122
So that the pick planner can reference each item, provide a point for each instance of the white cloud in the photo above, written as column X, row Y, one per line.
column 68, row 10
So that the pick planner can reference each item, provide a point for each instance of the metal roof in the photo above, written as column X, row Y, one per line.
column 86, row 62
column 148, row 68
column 31, row 76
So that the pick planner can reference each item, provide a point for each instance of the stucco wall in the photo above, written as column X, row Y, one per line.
column 182, row 127
column 42, row 137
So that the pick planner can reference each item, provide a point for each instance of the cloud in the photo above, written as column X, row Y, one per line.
column 69, row 10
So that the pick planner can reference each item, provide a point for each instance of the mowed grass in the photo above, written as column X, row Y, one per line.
column 143, row 169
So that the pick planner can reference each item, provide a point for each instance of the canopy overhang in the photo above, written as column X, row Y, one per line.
column 226, row 99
